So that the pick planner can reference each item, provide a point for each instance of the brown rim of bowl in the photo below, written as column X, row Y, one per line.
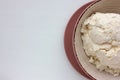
column 69, row 39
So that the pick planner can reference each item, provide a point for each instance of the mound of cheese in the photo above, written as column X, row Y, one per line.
column 101, row 41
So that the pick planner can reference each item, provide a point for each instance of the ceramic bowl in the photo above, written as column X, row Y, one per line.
column 73, row 41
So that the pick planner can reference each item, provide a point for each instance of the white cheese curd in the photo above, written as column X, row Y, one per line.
column 101, row 41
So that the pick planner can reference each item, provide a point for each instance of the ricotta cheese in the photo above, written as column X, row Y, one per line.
column 101, row 41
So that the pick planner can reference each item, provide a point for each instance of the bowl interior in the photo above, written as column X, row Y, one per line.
column 105, row 6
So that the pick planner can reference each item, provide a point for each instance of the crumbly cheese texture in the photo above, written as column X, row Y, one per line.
column 101, row 41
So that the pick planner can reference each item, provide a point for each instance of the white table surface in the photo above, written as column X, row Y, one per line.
column 31, row 39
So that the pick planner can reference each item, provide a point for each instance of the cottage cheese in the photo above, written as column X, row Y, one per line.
column 101, row 41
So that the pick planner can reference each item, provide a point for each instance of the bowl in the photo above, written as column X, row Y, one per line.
column 73, row 42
